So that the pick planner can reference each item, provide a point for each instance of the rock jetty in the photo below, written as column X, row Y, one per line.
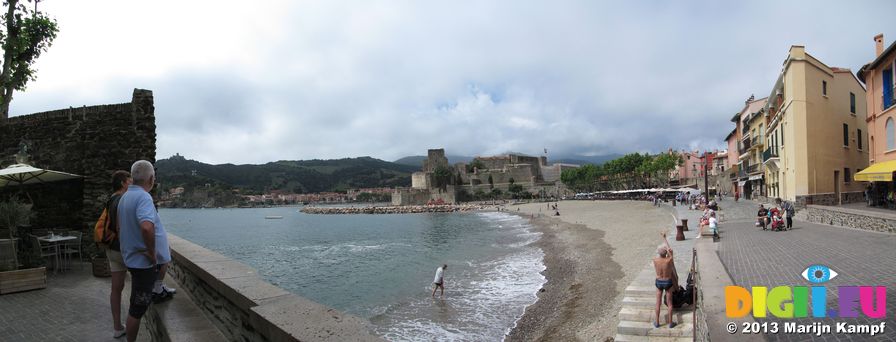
column 406, row 209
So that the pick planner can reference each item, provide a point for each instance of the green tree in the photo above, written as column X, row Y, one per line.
column 24, row 36
column 442, row 177
column 475, row 164
column 491, row 182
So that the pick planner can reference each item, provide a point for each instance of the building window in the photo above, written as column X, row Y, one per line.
column 846, row 176
column 889, row 128
column 852, row 103
column 859, row 139
column 888, row 88
column 824, row 88
column 845, row 135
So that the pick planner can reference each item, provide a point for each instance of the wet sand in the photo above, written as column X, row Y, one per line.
column 593, row 250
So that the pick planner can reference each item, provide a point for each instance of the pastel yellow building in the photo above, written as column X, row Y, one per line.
column 816, row 140
column 753, row 124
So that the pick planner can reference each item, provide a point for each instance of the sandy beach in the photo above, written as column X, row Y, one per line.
column 593, row 250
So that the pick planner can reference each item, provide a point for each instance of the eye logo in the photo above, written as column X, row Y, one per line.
column 819, row 274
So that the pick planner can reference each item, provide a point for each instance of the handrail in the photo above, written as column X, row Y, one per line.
column 694, row 269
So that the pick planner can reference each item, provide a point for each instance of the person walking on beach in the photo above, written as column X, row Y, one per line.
column 144, row 244
column 121, row 180
column 666, row 280
column 439, row 281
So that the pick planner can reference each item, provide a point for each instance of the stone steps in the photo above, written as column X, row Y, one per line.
column 685, row 329
column 643, row 314
column 636, row 338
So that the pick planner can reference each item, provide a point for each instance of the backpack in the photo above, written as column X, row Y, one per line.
column 103, row 233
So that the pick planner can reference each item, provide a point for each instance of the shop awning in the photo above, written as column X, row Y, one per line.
column 879, row 172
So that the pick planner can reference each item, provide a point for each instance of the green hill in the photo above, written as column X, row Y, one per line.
column 302, row 176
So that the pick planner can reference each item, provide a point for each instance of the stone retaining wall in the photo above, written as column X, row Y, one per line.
column 246, row 308
column 878, row 222
column 830, row 198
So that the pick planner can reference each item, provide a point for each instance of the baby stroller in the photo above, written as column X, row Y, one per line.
column 777, row 220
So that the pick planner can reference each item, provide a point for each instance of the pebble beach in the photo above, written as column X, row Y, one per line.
column 592, row 251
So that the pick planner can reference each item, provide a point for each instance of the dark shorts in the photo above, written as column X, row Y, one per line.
column 438, row 284
column 664, row 284
column 142, row 282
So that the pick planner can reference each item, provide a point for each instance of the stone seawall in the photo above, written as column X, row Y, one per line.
column 244, row 307
column 845, row 217
column 408, row 209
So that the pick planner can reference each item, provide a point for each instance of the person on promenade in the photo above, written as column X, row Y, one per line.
column 144, row 243
column 120, row 182
column 666, row 280
column 439, row 281
column 788, row 210
column 713, row 223
column 762, row 216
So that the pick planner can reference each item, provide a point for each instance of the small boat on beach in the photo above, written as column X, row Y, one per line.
column 272, row 217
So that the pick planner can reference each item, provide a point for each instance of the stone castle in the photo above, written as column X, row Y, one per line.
column 440, row 181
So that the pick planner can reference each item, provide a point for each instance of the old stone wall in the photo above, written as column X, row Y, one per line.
column 92, row 141
column 830, row 198
column 844, row 217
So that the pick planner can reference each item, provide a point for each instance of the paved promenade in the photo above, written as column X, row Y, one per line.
column 73, row 307
column 754, row 257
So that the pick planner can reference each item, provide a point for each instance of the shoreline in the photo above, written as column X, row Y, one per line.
column 591, row 253
column 564, row 305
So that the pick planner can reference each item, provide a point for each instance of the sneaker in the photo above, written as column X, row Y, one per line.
column 162, row 296
column 166, row 288
column 118, row 333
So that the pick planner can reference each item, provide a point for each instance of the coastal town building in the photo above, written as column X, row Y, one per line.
column 879, row 77
column 751, row 178
column 740, row 170
column 814, row 140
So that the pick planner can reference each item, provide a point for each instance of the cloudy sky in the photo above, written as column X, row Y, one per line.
column 256, row 81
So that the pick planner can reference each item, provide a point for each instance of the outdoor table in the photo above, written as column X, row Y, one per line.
column 55, row 240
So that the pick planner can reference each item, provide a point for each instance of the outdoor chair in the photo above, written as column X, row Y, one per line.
column 70, row 247
column 45, row 250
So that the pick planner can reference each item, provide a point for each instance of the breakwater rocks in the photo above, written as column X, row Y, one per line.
column 406, row 209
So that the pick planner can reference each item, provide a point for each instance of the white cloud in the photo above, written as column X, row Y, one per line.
column 327, row 79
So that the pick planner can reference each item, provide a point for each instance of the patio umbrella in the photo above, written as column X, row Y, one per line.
column 22, row 174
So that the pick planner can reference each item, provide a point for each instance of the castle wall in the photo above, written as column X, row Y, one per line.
column 92, row 141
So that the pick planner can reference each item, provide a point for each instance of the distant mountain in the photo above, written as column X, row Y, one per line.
column 301, row 176
column 417, row 161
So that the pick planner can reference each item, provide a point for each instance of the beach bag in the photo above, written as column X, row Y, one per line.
column 103, row 234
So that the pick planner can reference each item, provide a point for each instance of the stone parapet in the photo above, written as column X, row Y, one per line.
column 850, row 218
column 244, row 307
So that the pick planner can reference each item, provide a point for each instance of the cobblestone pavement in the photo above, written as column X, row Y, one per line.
column 73, row 307
column 754, row 257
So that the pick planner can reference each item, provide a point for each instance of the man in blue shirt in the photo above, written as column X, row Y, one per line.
column 144, row 245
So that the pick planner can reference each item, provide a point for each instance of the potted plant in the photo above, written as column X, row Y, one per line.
column 14, row 214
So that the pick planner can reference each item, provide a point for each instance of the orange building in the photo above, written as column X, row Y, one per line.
column 879, row 77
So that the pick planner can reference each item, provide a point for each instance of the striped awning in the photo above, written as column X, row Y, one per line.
column 879, row 172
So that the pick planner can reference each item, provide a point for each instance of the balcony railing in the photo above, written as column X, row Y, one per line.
column 768, row 154
column 753, row 168
column 746, row 145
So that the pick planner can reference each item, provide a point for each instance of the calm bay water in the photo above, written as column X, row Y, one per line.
column 380, row 267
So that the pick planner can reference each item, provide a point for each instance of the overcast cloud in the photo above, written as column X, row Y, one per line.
column 330, row 79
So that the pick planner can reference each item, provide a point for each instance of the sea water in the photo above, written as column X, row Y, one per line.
column 381, row 267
